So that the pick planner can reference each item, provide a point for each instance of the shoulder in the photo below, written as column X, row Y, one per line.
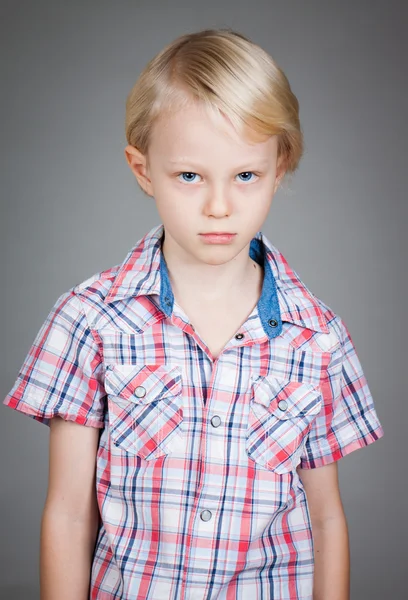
column 302, row 306
column 84, row 301
column 335, row 322
column 98, row 284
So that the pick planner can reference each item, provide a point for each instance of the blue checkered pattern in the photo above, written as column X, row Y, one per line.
column 196, row 467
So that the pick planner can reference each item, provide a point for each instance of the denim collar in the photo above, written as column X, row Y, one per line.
column 284, row 296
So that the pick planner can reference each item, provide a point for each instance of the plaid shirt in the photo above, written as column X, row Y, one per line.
column 197, row 485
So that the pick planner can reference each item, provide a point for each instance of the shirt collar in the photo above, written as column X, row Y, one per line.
column 284, row 297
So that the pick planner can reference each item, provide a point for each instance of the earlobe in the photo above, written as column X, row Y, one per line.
column 138, row 165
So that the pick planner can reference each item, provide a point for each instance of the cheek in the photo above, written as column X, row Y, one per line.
column 175, row 197
column 257, row 203
column 173, row 208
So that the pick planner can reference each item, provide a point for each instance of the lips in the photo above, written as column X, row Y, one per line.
column 217, row 237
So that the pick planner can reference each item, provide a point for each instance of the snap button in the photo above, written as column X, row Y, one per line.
column 215, row 421
column 239, row 336
column 282, row 405
column 140, row 391
column 206, row 515
column 273, row 322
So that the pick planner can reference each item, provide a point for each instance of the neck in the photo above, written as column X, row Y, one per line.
column 213, row 283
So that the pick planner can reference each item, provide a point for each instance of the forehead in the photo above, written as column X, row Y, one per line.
column 193, row 132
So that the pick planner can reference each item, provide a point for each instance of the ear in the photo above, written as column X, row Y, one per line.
column 139, row 167
column 280, row 171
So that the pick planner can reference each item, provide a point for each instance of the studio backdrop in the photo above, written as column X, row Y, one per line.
column 70, row 207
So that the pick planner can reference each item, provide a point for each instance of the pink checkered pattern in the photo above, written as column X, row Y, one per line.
column 196, row 467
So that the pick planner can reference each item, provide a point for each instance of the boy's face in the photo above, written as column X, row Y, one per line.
column 206, row 181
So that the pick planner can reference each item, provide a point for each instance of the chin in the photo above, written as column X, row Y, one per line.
column 218, row 256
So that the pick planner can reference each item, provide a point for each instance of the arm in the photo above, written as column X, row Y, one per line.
column 330, row 533
column 70, row 518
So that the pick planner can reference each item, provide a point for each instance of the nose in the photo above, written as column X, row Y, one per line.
column 217, row 203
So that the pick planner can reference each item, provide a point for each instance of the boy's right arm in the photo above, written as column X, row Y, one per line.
column 71, row 516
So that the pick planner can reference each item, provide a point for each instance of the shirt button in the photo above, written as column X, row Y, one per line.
column 140, row 391
column 239, row 336
column 282, row 405
column 216, row 421
column 206, row 515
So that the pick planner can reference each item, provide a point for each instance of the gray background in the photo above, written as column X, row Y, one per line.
column 71, row 207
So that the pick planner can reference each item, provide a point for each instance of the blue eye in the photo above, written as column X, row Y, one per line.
column 245, row 175
column 188, row 177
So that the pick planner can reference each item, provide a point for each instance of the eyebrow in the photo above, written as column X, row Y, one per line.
column 245, row 166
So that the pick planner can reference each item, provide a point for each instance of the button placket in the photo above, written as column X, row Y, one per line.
column 216, row 421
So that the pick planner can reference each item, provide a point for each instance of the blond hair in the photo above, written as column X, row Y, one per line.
column 232, row 76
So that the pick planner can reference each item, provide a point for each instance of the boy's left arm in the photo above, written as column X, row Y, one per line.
column 330, row 533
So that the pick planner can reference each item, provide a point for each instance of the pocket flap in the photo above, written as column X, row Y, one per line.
column 142, row 383
column 286, row 399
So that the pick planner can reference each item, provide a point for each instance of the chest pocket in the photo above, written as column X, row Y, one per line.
column 145, row 407
column 280, row 417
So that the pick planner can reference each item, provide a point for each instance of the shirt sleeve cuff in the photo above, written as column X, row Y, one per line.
column 337, row 451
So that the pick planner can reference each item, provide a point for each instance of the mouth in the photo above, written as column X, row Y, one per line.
column 218, row 237
column 218, row 233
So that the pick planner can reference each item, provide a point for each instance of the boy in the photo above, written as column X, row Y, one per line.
column 199, row 395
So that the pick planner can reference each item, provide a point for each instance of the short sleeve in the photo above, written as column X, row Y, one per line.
column 348, row 419
column 61, row 374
